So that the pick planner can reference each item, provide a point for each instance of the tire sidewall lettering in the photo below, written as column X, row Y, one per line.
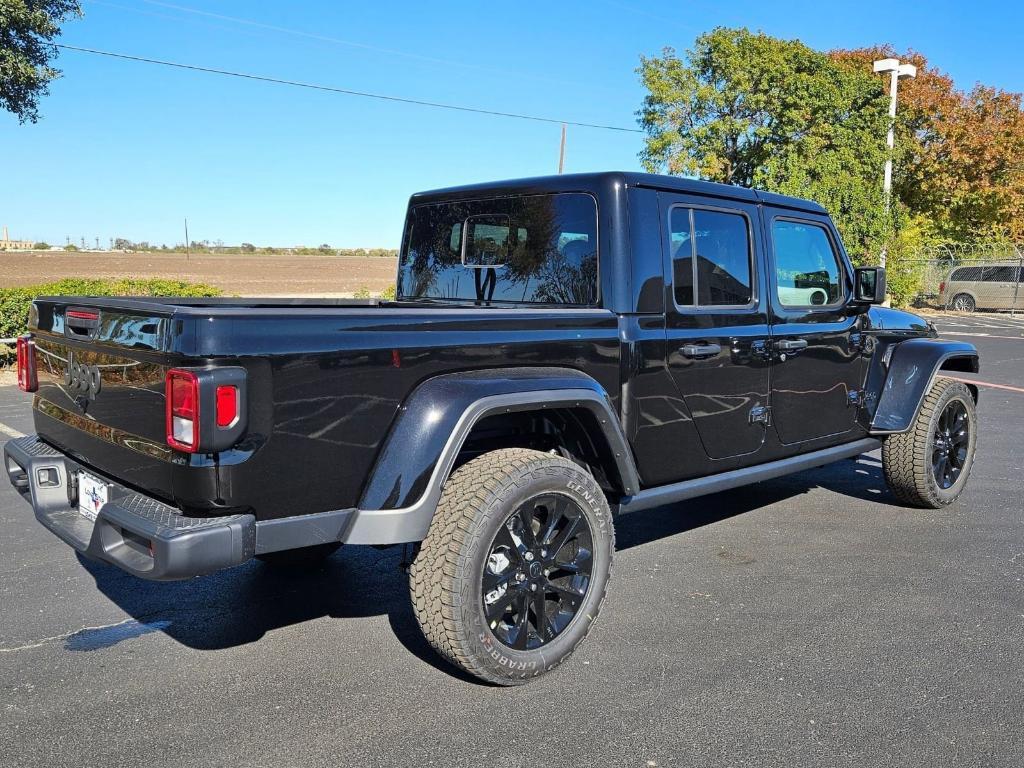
column 581, row 488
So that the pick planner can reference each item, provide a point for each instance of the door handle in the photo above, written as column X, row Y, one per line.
column 791, row 345
column 700, row 350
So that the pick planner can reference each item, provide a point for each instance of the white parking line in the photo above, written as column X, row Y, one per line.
column 1004, row 323
column 10, row 431
column 980, row 335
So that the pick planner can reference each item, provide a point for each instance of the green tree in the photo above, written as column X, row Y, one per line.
column 41, row 246
column 749, row 109
column 27, row 29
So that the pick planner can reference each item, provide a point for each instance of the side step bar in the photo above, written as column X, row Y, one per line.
column 688, row 489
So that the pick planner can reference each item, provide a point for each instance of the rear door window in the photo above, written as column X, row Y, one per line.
column 711, row 258
column 1000, row 274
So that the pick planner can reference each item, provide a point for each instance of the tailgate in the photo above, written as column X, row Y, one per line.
column 101, row 386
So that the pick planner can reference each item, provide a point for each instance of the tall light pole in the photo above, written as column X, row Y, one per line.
column 896, row 71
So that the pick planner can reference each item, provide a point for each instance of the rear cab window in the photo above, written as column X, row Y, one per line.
column 530, row 249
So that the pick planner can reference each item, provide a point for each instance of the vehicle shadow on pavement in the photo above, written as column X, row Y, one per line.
column 860, row 478
column 239, row 606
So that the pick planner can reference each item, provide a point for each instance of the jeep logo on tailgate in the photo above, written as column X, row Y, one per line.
column 83, row 379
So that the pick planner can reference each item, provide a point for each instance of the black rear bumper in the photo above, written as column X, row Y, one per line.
column 143, row 536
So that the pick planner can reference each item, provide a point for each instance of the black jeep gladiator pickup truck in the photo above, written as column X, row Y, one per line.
column 560, row 351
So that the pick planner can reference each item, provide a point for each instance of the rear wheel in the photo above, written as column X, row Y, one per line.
column 963, row 302
column 928, row 465
column 515, row 566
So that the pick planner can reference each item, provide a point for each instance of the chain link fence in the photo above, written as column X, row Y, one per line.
column 967, row 278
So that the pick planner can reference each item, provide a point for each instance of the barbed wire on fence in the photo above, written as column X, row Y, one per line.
column 957, row 252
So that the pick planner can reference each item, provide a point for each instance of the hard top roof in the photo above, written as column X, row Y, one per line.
column 590, row 181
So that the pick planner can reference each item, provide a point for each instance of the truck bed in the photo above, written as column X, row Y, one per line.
column 325, row 381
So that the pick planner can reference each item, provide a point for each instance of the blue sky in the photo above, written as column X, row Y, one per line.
column 129, row 149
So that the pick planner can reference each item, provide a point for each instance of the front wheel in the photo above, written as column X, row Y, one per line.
column 514, row 568
column 928, row 465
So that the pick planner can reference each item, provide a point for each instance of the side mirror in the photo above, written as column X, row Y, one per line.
column 869, row 285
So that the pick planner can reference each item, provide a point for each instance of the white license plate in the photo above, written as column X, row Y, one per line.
column 92, row 494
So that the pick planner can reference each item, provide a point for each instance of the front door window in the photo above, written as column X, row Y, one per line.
column 807, row 271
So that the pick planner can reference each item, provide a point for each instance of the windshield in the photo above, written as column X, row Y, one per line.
column 533, row 249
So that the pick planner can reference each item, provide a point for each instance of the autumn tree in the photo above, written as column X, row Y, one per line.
column 27, row 30
column 746, row 108
column 958, row 154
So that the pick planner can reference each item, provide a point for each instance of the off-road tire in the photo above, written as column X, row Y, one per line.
column 304, row 557
column 445, row 578
column 907, row 457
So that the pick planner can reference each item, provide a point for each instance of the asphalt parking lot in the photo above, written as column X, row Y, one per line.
column 807, row 621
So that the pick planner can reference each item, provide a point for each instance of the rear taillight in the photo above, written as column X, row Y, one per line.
column 28, row 380
column 206, row 408
column 227, row 405
column 942, row 286
column 182, row 410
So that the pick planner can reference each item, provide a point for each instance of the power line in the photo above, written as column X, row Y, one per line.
column 320, row 38
column 346, row 91
column 339, row 41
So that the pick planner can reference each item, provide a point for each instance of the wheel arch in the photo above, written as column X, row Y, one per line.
column 448, row 412
column 912, row 369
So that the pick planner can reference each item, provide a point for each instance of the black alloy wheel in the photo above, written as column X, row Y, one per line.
column 950, row 444
column 928, row 465
column 515, row 567
column 538, row 571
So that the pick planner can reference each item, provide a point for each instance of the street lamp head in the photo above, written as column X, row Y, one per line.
column 894, row 66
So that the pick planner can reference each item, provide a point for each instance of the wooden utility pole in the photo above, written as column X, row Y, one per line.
column 561, row 151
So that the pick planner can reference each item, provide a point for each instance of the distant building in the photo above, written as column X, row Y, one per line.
column 14, row 245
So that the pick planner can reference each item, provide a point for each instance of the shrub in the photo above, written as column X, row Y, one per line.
column 904, row 268
column 362, row 292
column 388, row 294
column 41, row 246
column 15, row 302
column 71, row 247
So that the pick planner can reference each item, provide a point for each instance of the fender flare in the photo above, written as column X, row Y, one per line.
column 405, row 483
column 912, row 369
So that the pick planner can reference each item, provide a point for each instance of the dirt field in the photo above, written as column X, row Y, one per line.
column 253, row 275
